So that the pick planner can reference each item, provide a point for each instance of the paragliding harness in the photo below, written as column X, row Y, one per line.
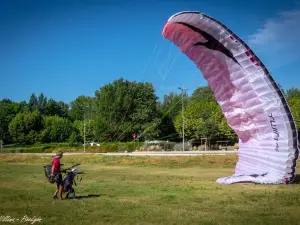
column 69, row 179
column 48, row 170
column 53, row 179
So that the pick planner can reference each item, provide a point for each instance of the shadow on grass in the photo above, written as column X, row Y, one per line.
column 84, row 196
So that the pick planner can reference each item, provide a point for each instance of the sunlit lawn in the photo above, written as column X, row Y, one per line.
column 144, row 190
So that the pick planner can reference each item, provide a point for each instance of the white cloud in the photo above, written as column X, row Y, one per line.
column 278, row 41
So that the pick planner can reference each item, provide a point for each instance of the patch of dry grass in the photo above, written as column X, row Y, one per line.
column 164, row 161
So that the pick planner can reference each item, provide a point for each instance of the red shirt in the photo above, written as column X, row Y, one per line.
column 56, row 164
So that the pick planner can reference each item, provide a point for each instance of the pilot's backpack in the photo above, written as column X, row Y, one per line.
column 47, row 170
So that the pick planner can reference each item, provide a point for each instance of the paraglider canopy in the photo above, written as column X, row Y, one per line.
column 251, row 101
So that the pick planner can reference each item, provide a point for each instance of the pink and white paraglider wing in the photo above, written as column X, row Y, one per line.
column 251, row 101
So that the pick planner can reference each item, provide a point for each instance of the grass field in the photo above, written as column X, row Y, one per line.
column 144, row 190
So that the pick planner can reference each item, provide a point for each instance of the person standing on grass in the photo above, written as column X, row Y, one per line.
column 56, row 174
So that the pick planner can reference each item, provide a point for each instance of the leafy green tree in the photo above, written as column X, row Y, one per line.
column 294, row 104
column 123, row 108
column 25, row 126
column 47, row 107
column 82, row 106
column 56, row 129
column 54, row 108
column 89, row 129
column 8, row 111
column 203, row 94
column 224, row 130
column 198, row 120
column 74, row 138
column 42, row 103
column 167, row 130
column 23, row 106
column 204, row 119
column 172, row 104
column 33, row 104
column 151, row 130
column 168, row 110
column 293, row 93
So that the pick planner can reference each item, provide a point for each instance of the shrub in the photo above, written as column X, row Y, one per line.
column 115, row 147
column 178, row 147
column 158, row 146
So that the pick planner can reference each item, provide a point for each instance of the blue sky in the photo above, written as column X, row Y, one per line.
column 70, row 48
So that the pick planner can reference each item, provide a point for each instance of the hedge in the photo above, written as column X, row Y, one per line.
column 53, row 147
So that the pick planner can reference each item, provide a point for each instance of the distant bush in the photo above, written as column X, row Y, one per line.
column 178, row 147
column 158, row 146
column 24, row 150
column 115, row 147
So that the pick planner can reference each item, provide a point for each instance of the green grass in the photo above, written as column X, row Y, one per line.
column 145, row 190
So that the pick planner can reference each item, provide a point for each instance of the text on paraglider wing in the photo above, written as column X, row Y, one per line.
column 275, row 131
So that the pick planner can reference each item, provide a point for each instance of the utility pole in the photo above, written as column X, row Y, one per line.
column 182, row 90
column 1, row 144
column 84, row 132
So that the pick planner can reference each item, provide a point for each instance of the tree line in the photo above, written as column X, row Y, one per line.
column 116, row 112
